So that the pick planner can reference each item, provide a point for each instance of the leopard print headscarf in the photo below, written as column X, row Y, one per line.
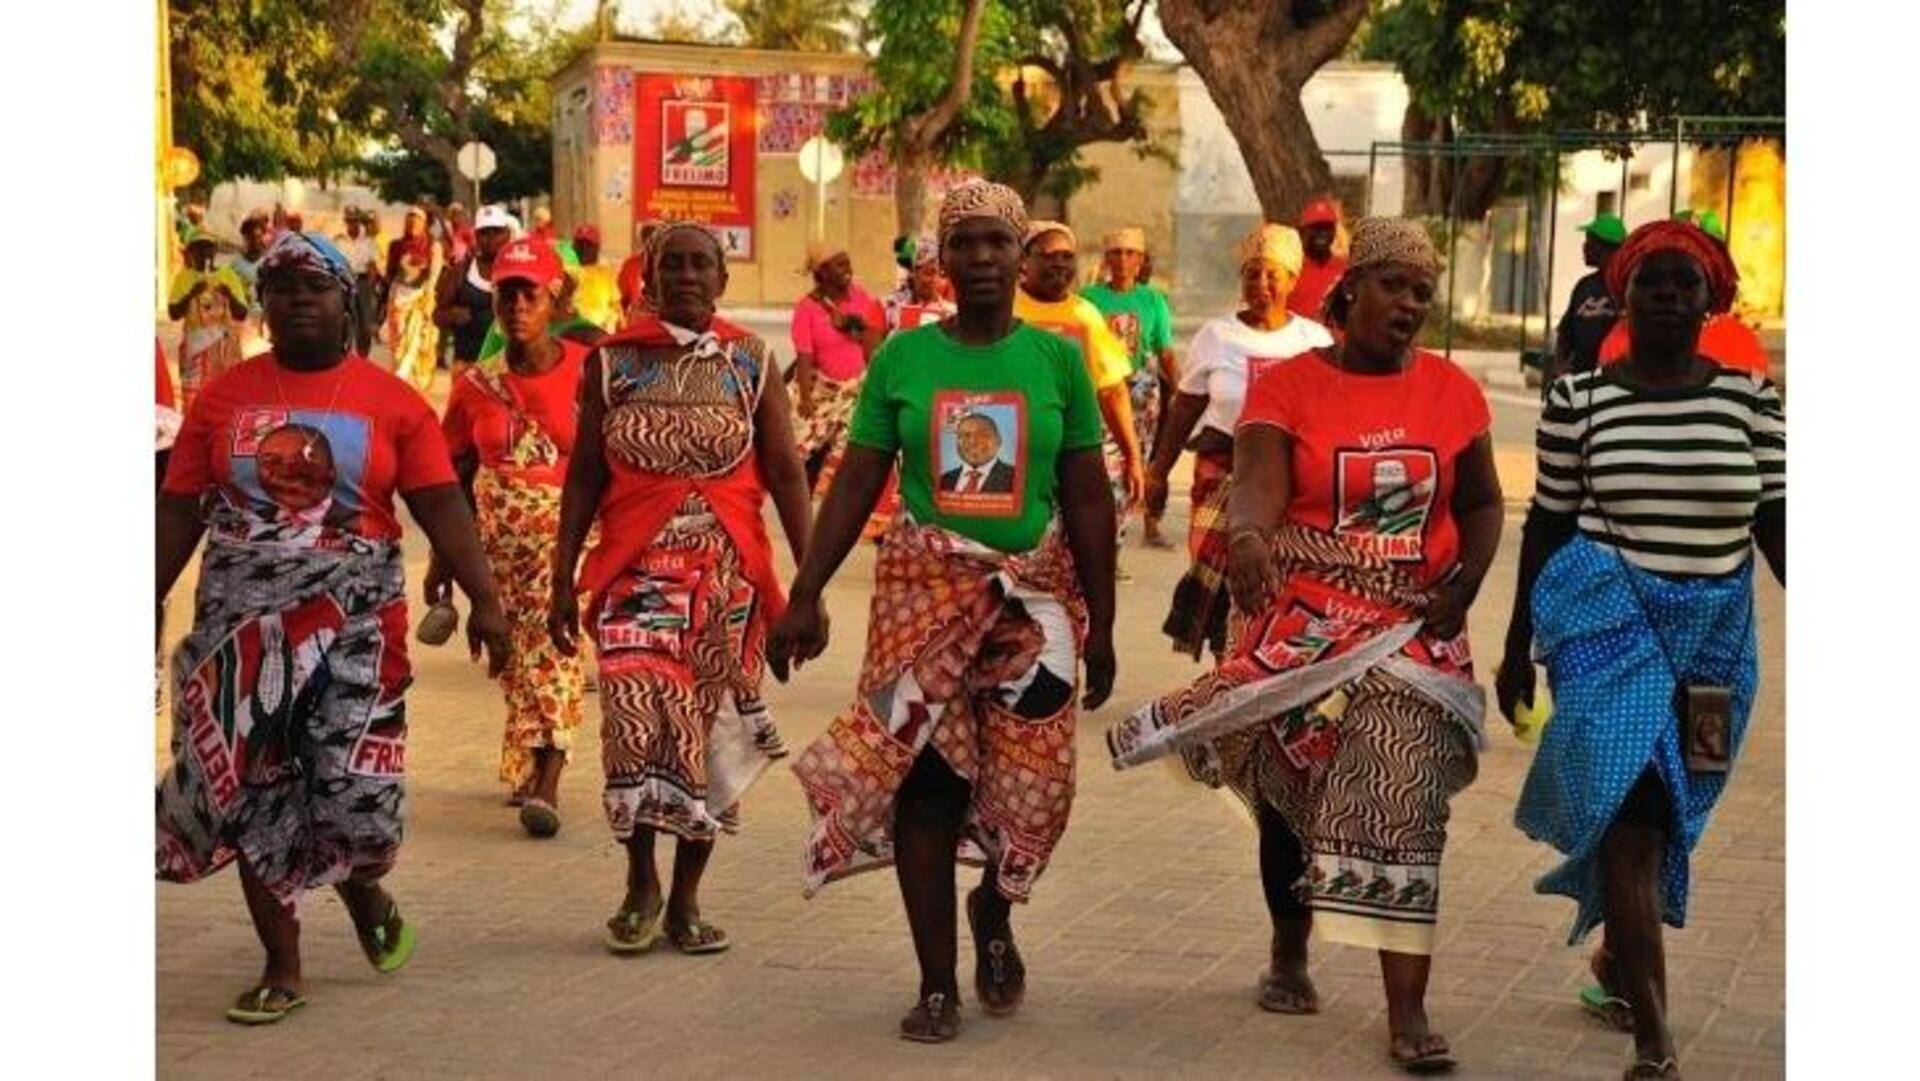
column 982, row 199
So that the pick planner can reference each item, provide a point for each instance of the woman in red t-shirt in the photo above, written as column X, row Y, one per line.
column 1365, row 511
column 510, row 428
column 289, row 721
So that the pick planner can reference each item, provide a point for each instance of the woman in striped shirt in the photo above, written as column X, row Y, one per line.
column 1657, row 477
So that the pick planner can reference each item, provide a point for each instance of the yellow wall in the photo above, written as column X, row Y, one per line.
column 1757, row 217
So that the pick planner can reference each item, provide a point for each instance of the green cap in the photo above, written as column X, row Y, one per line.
column 1707, row 221
column 1607, row 227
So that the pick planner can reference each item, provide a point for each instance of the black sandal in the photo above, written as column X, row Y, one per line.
column 1437, row 1058
column 1647, row 1069
column 999, row 976
column 934, row 1019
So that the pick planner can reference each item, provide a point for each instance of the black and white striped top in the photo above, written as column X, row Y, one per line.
column 1679, row 473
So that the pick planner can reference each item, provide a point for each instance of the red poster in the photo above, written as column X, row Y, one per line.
column 693, row 145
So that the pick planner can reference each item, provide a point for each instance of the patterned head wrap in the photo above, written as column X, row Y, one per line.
column 306, row 253
column 926, row 250
column 1128, row 238
column 1723, row 280
column 1276, row 244
column 1040, row 228
column 1379, row 242
column 666, row 230
column 982, row 199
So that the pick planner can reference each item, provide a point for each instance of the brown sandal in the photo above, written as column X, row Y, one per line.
column 1423, row 1054
column 999, row 976
column 1647, row 1069
column 934, row 1019
column 1280, row 996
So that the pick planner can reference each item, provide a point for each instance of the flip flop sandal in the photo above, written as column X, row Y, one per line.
column 698, row 937
column 264, row 1005
column 1433, row 1060
column 630, row 932
column 387, row 950
column 999, row 976
column 1277, row 997
column 1647, row 1069
column 934, row 1019
column 1610, row 1010
column 539, row 818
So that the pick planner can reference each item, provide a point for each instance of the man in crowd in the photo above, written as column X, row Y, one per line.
column 464, row 304
column 1590, row 309
column 1319, row 223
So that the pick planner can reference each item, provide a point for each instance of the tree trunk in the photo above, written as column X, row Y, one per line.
column 910, row 191
column 1254, row 56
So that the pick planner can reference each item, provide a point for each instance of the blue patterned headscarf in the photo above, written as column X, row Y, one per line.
column 310, row 253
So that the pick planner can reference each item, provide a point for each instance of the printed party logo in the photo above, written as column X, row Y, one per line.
column 694, row 144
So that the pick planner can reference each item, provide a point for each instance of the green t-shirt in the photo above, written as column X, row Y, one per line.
column 979, row 429
column 1139, row 317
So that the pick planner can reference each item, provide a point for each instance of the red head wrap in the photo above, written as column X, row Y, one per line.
column 1723, row 281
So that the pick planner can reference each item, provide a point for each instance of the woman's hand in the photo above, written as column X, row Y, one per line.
column 487, row 627
column 563, row 618
column 1156, row 493
column 1100, row 666
column 798, row 636
column 1515, row 682
column 1446, row 614
column 437, row 588
column 1251, row 577
column 1136, row 480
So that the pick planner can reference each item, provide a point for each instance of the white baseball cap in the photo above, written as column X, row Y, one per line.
column 495, row 216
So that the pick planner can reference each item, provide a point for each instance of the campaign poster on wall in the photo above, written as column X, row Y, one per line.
column 693, row 145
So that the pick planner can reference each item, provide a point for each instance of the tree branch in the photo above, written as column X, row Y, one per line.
column 1322, row 39
column 922, row 134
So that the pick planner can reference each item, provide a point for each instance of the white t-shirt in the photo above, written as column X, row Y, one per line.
column 1216, row 363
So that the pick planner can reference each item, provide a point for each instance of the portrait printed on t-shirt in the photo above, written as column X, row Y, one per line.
column 1385, row 498
column 979, row 460
column 301, row 471
column 1126, row 327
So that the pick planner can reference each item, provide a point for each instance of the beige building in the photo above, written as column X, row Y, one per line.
column 1193, row 213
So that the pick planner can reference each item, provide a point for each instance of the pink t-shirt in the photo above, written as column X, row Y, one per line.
column 835, row 354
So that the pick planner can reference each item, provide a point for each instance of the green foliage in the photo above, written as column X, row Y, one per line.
column 912, row 70
column 270, row 88
column 817, row 26
column 1516, row 65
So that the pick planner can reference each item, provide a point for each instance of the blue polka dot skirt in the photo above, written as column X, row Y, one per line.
column 1596, row 617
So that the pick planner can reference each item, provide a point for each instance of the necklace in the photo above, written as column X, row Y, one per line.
column 307, row 444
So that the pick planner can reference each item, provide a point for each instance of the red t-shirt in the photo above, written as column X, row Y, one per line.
column 1310, row 288
column 1724, row 340
column 307, row 457
column 478, row 421
column 1374, row 455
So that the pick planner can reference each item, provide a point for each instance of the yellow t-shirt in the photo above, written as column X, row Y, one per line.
column 1078, row 321
column 597, row 297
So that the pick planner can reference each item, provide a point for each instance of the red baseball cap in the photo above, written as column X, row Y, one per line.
column 527, row 260
column 586, row 233
column 1320, row 212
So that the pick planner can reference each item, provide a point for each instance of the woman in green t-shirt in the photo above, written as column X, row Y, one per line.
column 991, row 590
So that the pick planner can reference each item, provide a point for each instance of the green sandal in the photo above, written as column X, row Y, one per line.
column 264, row 1005
column 388, row 950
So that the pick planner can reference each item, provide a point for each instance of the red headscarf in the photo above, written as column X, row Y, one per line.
column 1723, row 281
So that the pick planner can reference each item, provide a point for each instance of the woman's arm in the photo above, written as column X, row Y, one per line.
column 438, row 586
column 1087, row 510
column 177, row 526
column 444, row 516
column 1542, row 536
column 1175, row 426
column 1480, row 513
column 1770, row 533
column 780, row 467
column 801, row 634
column 1262, row 488
column 579, row 502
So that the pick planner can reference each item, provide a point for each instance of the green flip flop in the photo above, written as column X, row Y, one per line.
column 388, row 951
column 264, row 1005
column 630, row 932
column 1614, row 1012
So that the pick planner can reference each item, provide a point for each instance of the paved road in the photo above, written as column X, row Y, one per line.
column 1144, row 940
